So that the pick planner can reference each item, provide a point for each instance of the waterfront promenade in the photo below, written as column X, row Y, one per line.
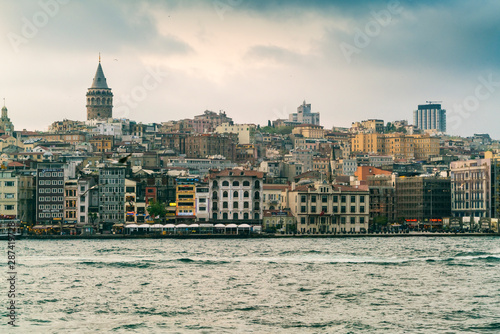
column 261, row 236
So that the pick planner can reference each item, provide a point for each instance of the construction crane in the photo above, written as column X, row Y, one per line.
column 433, row 102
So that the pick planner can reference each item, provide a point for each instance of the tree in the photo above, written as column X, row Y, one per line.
column 156, row 209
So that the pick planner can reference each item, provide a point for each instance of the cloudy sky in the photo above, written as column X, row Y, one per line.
column 256, row 60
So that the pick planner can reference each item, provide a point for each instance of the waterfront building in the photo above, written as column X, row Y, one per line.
column 304, row 115
column 135, row 204
column 70, row 201
column 271, row 197
column 111, row 196
column 236, row 195
column 423, row 199
column 202, row 204
column 279, row 221
column 186, row 197
column 430, row 117
column 99, row 97
column 88, row 204
column 382, row 199
column 50, row 193
column 471, row 188
column 323, row 208
column 17, row 195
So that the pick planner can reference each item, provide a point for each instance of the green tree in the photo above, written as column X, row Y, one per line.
column 156, row 209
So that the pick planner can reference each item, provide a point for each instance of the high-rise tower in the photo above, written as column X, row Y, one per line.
column 99, row 97
column 430, row 117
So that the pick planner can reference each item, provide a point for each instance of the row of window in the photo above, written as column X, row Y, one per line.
column 50, row 190
column 50, row 174
column 323, row 220
column 324, row 209
column 324, row 199
column 246, row 205
column 235, row 216
column 225, row 194
column 9, row 183
column 50, row 215
column 50, row 206
column 236, row 184
column 50, row 182
column 9, row 207
column 50, row 199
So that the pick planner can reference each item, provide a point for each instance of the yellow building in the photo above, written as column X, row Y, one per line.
column 185, row 198
column 399, row 145
column 309, row 131
column 102, row 143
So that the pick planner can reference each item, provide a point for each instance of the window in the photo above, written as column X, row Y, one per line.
column 362, row 209
column 235, row 216
column 353, row 199
column 214, row 184
column 324, row 199
column 303, row 209
column 335, row 209
column 342, row 209
column 245, row 194
column 224, row 205
column 335, row 199
column 257, row 184
column 246, row 205
column 302, row 220
column 236, row 184
column 245, row 215
column 353, row 220
column 235, row 205
column 342, row 199
column 224, row 194
column 224, row 216
column 257, row 195
column 225, row 184
column 9, row 195
column 235, row 194
column 214, row 195
column 313, row 199
column 203, row 200
column 353, row 209
column 302, row 199
column 324, row 209
column 9, row 207
column 256, row 205
column 246, row 184
column 342, row 220
column 202, row 208
column 361, row 220
column 361, row 199
column 9, row 183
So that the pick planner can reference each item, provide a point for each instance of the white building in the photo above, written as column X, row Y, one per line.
column 244, row 131
column 236, row 194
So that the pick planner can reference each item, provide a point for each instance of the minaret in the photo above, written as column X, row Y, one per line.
column 99, row 97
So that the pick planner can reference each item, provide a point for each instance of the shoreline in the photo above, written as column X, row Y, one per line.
column 254, row 236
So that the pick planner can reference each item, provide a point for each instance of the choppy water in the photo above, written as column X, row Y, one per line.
column 372, row 285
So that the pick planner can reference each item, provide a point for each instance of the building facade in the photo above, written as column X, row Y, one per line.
column 471, row 188
column 304, row 115
column 430, row 117
column 50, row 193
column 111, row 197
column 236, row 195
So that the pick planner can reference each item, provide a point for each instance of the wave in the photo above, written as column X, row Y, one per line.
column 118, row 264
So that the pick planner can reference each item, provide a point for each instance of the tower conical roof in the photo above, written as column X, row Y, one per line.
column 99, row 79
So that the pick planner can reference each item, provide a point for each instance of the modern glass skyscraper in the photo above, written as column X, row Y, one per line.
column 430, row 117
